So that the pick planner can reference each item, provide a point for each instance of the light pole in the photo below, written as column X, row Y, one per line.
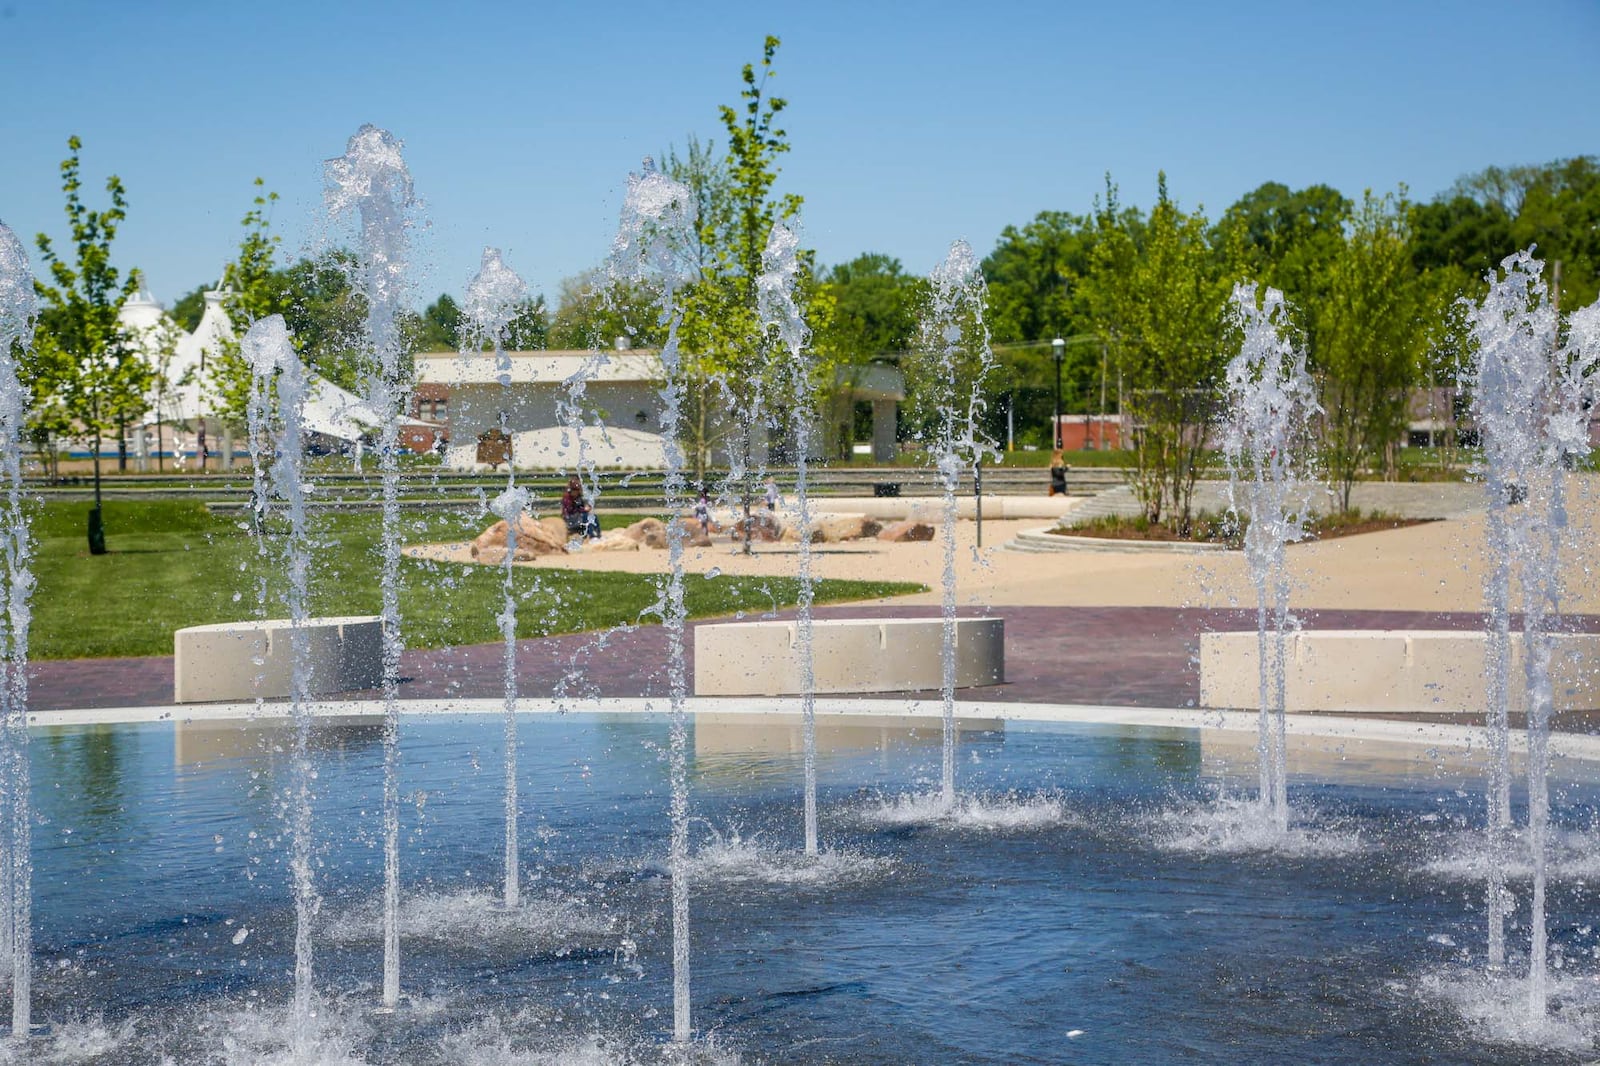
column 1058, row 347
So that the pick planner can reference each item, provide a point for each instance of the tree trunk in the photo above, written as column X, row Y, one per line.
column 97, row 530
column 744, row 489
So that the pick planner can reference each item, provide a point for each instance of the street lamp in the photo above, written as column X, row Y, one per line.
column 1057, row 348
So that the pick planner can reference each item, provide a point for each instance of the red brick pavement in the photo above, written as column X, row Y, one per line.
column 1130, row 656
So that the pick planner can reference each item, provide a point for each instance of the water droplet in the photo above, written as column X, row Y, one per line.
column 715, row 571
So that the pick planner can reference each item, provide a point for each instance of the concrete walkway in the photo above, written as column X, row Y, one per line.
column 1111, row 626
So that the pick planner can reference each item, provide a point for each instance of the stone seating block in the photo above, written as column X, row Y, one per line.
column 1390, row 671
column 848, row 655
column 251, row 659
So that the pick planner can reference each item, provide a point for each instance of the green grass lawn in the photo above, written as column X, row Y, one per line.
column 172, row 564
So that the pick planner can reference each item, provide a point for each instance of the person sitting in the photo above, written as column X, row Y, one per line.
column 576, row 512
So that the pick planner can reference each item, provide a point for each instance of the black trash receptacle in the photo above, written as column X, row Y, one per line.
column 886, row 488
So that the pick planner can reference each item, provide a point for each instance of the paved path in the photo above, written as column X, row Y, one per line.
column 1124, row 656
column 1095, row 627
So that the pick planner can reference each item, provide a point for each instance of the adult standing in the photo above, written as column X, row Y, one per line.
column 1058, row 474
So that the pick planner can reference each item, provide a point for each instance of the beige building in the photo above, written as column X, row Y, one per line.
column 563, row 409
column 559, row 408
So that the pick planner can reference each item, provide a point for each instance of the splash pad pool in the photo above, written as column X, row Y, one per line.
column 1103, row 883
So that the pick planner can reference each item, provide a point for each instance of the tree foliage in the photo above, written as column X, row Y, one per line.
column 726, row 349
column 1367, row 341
column 874, row 307
column 1035, row 277
column 1285, row 238
column 86, row 375
column 593, row 313
column 1159, row 293
column 440, row 328
column 252, row 291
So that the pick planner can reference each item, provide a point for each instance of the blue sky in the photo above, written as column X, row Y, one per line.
column 912, row 124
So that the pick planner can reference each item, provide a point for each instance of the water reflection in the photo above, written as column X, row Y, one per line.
column 1231, row 753
column 736, row 745
column 197, row 744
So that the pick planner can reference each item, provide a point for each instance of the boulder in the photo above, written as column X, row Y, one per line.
column 694, row 535
column 615, row 541
column 833, row 528
column 555, row 532
column 648, row 533
column 534, row 537
column 652, row 533
column 908, row 529
column 713, row 526
column 764, row 529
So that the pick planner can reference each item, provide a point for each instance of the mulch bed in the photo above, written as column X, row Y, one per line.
column 1325, row 528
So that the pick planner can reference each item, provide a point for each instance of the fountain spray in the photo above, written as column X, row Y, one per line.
column 17, row 313
column 491, row 304
column 1528, row 398
column 956, row 341
column 657, row 221
column 775, row 288
column 1271, row 402
column 371, row 180
column 275, row 368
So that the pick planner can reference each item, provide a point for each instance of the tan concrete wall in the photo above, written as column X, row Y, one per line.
column 475, row 409
column 255, row 659
column 848, row 655
column 1403, row 671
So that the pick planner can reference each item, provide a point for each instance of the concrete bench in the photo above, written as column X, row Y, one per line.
column 1389, row 671
column 848, row 655
column 247, row 660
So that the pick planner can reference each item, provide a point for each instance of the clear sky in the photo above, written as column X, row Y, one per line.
column 912, row 123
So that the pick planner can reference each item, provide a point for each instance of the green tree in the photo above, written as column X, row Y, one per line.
column 1159, row 294
column 254, row 290
column 441, row 325
column 1368, row 342
column 1036, row 294
column 1287, row 238
column 1035, row 275
column 593, row 312
column 327, row 317
column 1488, row 215
column 1460, row 234
column 92, row 372
column 949, row 370
column 529, row 328
column 728, row 368
column 1560, row 216
column 875, row 307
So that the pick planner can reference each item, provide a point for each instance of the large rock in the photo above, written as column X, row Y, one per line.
column 764, row 529
column 712, row 525
column 833, row 528
column 907, row 529
column 535, row 537
column 648, row 533
column 615, row 541
column 694, row 535
column 652, row 533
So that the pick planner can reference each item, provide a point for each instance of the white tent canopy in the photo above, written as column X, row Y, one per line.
column 178, row 358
